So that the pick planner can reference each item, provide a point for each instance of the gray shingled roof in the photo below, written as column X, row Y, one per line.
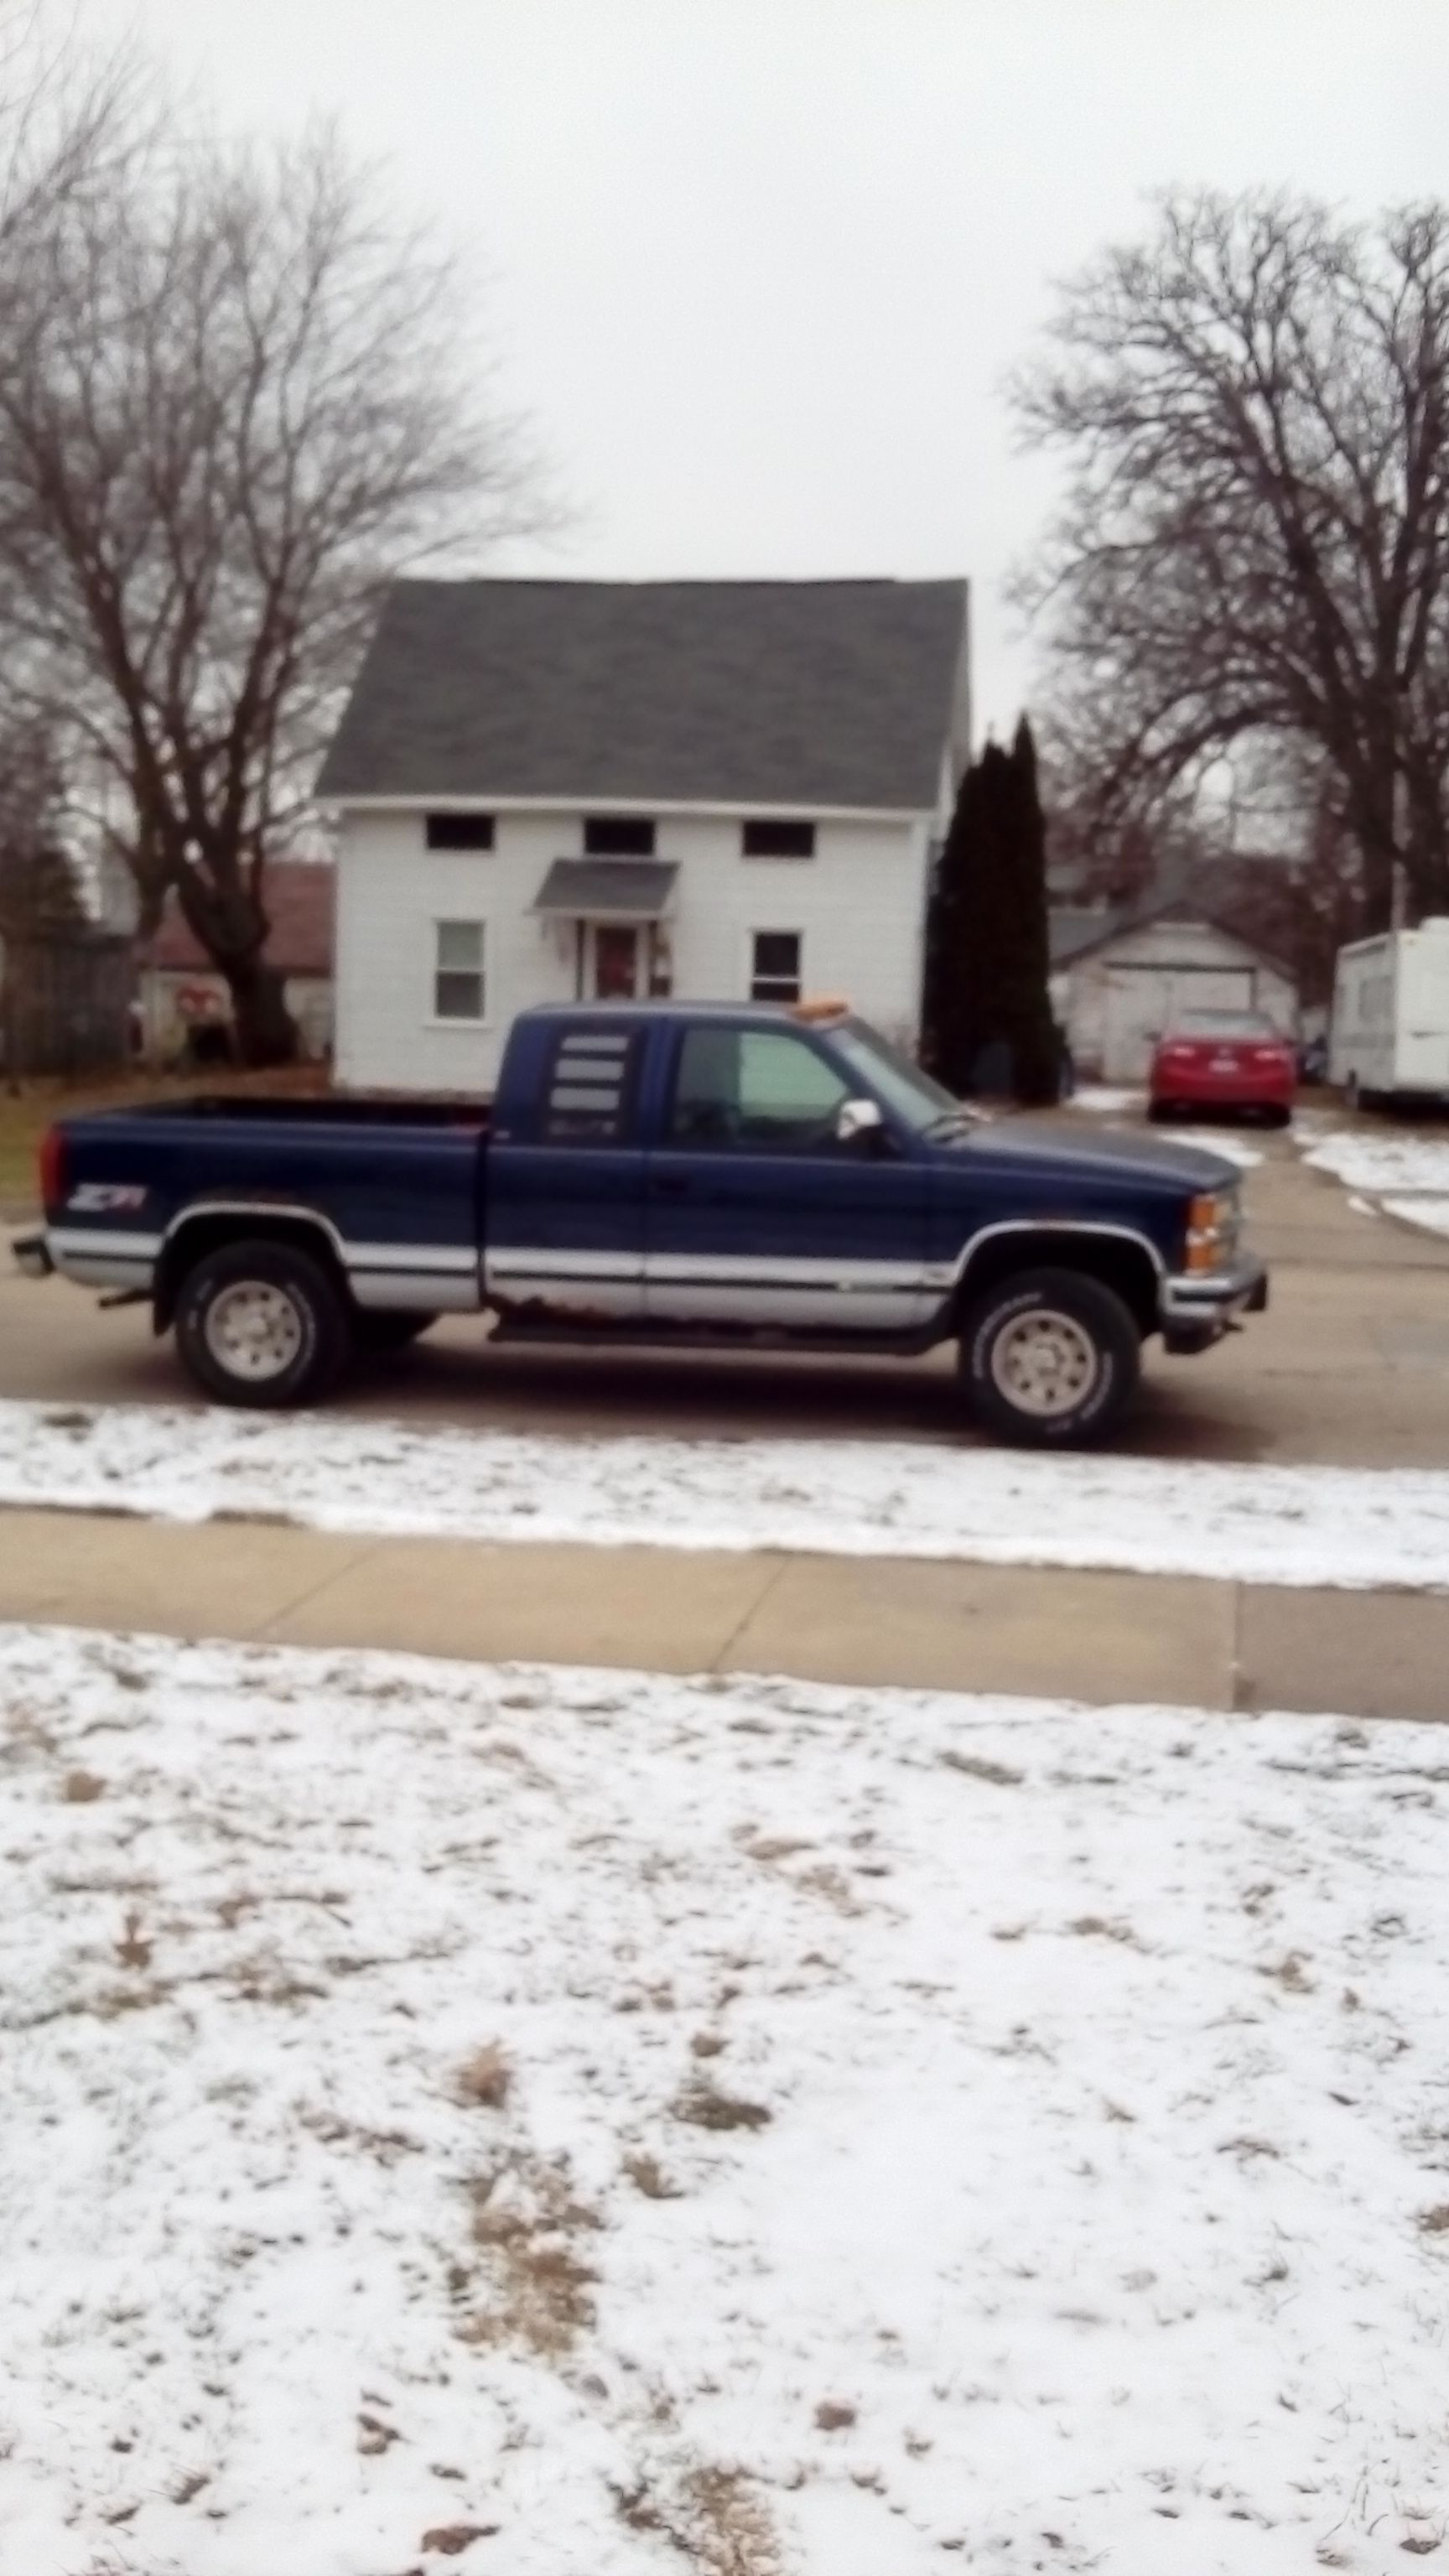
column 763, row 693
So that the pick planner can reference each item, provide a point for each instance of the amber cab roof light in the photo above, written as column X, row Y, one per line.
column 827, row 1006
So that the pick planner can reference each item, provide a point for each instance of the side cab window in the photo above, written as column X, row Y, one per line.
column 753, row 1091
column 589, row 1086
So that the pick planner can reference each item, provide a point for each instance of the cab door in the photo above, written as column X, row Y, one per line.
column 757, row 1214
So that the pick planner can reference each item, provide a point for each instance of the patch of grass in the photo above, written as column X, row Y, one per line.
column 712, row 2517
column 1095, row 1927
column 976, row 1767
column 483, row 2081
column 648, row 2175
column 526, row 2219
column 733, row 2533
column 706, row 2108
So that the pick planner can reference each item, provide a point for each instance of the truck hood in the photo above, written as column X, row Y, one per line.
column 1060, row 1149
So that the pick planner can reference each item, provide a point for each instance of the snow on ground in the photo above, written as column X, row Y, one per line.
column 1432, row 1214
column 1408, row 1176
column 558, row 2121
column 954, row 1498
column 1381, row 1163
column 1099, row 1100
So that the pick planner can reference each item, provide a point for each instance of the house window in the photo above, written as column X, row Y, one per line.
column 775, row 965
column 587, row 1096
column 459, row 831
column 458, row 987
column 618, row 836
column 767, row 839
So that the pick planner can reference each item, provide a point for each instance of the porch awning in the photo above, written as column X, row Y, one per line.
column 608, row 889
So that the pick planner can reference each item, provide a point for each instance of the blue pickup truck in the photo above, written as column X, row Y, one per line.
column 718, row 1177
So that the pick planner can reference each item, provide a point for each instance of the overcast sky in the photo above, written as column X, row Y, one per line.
column 758, row 266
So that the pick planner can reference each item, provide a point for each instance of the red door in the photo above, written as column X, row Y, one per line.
column 616, row 961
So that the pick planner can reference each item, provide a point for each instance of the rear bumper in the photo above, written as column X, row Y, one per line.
column 1224, row 1091
column 1197, row 1307
column 31, row 1253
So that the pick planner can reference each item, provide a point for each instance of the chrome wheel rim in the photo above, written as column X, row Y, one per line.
column 253, row 1330
column 1044, row 1363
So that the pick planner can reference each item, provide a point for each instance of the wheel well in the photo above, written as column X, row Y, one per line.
column 1119, row 1264
column 204, row 1233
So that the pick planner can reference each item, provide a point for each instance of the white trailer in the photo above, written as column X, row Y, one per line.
column 1390, row 1030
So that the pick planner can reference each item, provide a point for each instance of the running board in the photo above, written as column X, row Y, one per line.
column 711, row 1338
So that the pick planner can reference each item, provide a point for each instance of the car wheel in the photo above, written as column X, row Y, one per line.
column 1160, row 1111
column 1050, row 1358
column 261, row 1324
column 376, row 1333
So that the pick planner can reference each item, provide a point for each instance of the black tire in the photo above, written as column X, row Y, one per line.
column 1280, row 1116
column 295, row 1326
column 376, row 1334
column 1161, row 1112
column 1095, row 1333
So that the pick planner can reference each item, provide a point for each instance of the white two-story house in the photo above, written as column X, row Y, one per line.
column 559, row 790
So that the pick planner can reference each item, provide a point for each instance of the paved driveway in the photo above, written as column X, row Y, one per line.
column 1349, row 1367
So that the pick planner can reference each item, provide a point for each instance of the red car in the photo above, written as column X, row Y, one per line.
column 1223, row 1060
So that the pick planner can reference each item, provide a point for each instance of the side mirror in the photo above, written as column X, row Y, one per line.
column 857, row 1118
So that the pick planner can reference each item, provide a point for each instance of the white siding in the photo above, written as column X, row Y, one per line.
column 859, row 905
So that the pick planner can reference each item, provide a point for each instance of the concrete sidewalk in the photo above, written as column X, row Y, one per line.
column 1095, row 1637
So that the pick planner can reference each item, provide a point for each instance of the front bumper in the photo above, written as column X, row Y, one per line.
column 31, row 1253
column 1197, row 1307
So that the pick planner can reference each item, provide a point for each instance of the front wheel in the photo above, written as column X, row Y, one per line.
column 1050, row 1358
column 261, row 1324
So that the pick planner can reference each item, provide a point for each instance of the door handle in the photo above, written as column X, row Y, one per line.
column 672, row 1185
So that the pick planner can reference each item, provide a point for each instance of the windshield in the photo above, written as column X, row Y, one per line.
column 914, row 1097
column 1224, row 1024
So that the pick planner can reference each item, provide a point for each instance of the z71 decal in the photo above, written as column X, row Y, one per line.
column 105, row 1198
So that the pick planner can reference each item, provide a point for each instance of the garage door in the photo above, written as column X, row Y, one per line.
column 1142, row 1001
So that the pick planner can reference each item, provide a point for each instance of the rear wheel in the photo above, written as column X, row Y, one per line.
column 261, row 1324
column 1050, row 1358
column 1160, row 1111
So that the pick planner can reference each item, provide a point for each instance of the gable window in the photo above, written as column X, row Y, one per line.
column 458, row 985
column 459, row 831
column 767, row 839
column 775, row 957
column 618, row 836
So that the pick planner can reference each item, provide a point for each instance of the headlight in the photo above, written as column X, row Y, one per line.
column 1213, row 1223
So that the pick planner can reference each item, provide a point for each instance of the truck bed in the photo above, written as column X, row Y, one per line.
column 397, row 1185
column 382, row 1109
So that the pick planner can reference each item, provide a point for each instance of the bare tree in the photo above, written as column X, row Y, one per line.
column 1255, row 537
column 236, row 398
column 39, row 881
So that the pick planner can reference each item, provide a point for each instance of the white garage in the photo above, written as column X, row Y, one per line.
column 1118, row 983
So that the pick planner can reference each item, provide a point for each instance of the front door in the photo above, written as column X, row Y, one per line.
column 616, row 946
column 757, row 1215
